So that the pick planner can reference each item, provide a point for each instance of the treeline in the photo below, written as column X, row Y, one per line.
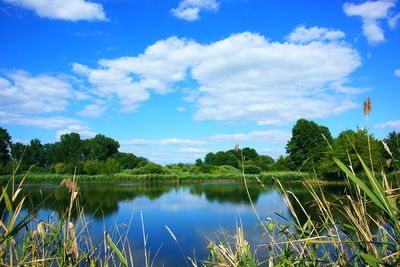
column 312, row 149
column 253, row 162
column 97, row 155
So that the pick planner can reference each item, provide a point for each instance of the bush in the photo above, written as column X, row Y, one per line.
column 59, row 168
column 92, row 167
column 150, row 168
column 252, row 169
column 110, row 166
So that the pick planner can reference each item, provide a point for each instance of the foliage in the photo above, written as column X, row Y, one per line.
column 128, row 160
column 252, row 169
column 347, row 147
column 5, row 143
column 308, row 143
column 59, row 168
column 150, row 168
column 221, row 158
column 281, row 164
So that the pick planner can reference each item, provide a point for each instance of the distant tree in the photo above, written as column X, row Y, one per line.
column 70, row 147
column 252, row 169
column 35, row 154
column 17, row 151
column 128, row 160
column 264, row 162
column 5, row 143
column 101, row 147
column 111, row 166
column 346, row 147
column 198, row 162
column 281, row 164
column 308, row 143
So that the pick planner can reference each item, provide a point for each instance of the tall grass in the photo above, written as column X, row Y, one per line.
column 267, row 177
column 366, row 232
column 64, row 241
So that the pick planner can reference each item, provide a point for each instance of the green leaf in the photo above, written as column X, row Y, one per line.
column 361, row 184
column 117, row 251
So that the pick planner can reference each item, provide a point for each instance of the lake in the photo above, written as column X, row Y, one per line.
column 195, row 213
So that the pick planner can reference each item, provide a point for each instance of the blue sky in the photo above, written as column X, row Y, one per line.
column 172, row 80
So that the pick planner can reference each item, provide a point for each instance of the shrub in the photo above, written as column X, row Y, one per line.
column 92, row 167
column 110, row 166
column 59, row 168
column 150, row 168
column 252, row 169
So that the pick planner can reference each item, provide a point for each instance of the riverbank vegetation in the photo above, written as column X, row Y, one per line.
column 310, row 150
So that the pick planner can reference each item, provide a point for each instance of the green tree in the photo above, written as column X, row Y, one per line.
column 17, row 151
column 100, row 147
column 346, row 147
column 5, row 143
column 281, row 164
column 128, row 160
column 71, row 147
column 308, row 144
column 264, row 162
column 35, row 154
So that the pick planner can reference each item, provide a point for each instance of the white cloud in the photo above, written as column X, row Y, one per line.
column 393, row 20
column 193, row 150
column 267, row 82
column 397, row 73
column 305, row 35
column 171, row 150
column 51, row 122
column 72, row 10
column 83, row 131
column 20, row 92
column 167, row 141
column 94, row 110
column 271, row 136
column 190, row 9
column 389, row 124
column 371, row 12
column 34, row 101
column 181, row 109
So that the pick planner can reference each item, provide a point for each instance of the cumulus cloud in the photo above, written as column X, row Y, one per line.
column 267, row 82
column 271, row 136
column 371, row 12
column 193, row 150
column 389, row 124
column 20, row 92
column 30, row 100
column 190, row 9
column 188, row 150
column 305, row 35
column 82, row 130
column 94, row 110
column 72, row 10
column 397, row 73
column 167, row 141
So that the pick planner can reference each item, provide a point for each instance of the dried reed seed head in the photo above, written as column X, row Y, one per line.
column 367, row 106
column 236, row 148
column 71, row 185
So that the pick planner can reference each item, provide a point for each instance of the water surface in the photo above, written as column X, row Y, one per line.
column 196, row 214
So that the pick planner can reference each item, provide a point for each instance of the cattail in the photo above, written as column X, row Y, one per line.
column 73, row 237
column 367, row 106
column 71, row 185
column 236, row 148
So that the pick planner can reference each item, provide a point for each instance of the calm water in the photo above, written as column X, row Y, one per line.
column 195, row 213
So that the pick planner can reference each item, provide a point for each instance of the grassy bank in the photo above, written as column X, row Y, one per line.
column 265, row 177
